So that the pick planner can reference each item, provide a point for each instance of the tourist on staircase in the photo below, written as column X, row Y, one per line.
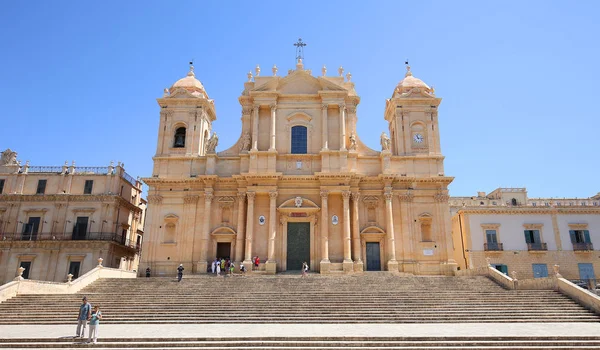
column 94, row 324
column 85, row 312
column 180, row 272
column 304, row 269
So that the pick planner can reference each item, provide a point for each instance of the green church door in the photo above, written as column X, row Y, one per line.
column 298, row 245
column 373, row 260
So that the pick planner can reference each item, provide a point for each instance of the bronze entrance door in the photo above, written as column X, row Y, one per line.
column 298, row 245
column 223, row 250
column 373, row 259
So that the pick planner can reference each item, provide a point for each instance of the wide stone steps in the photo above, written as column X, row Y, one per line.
column 272, row 343
column 367, row 298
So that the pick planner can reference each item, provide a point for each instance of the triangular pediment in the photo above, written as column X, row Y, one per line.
column 182, row 93
column 299, row 82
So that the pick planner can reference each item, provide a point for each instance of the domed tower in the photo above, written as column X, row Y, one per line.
column 186, row 118
column 412, row 116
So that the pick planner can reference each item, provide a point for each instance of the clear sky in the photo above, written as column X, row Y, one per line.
column 518, row 79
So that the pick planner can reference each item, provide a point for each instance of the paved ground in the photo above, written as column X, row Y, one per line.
column 307, row 330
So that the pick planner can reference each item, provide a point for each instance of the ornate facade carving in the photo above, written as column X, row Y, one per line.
column 155, row 199
column 191, row 199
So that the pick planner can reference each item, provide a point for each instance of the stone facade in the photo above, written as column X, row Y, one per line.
column 527, row 235
column 300, row 173
column 57, row 220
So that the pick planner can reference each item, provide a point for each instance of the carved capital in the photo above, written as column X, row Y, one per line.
column 341, row 107
column 155, row 199
column 442, row 197
column 273, row 194
column 273, row 107
column 324, row 194
column 355, row 196
column 324, row 106
column 255, row 108
column 351, row 109
column 388, row 196
column 246, row 110
column 191, row 199
column 241, row 196
column 208, row 196
column 346, row 194
column 251, row 196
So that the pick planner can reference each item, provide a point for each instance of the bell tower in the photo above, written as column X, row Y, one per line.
column 186, row 118
column 413, row 119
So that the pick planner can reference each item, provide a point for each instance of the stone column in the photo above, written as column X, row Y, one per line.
column 271, row 265
column 342, row 127
column 273, row 126
column 203, row 263
column 356, row 234
column 324, row 132
column 392, row 263
column 347, row 265
column 255, row 129
column 186, row 244
column 249, row 229
column 324, row 233
column 239, row 245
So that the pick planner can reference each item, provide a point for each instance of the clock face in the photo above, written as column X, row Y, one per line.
column 418, row 138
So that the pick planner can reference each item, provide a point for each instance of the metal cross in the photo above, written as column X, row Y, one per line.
column 300, row 49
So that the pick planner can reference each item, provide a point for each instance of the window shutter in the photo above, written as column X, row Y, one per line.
column 536, row 237
column 25, row 228
column 586, row 234
column 527, row 237
column 573, row 237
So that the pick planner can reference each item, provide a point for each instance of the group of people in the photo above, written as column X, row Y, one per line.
column 226, row 266
column 91, row 314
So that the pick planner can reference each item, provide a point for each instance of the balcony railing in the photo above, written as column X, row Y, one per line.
column 493, row 246
column 583, row 246
column 537, row 246
column 129, row 178
column 45, row 169
column 70, row 236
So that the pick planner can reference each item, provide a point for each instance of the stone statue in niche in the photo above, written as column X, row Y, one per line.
column 212, row 143
column 9, row 157
column 352, row 146
column 385, row 142
column 245, row 145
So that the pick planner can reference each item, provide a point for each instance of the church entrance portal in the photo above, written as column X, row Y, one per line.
column 298, row 245
column 223, row 250
column 373, row 259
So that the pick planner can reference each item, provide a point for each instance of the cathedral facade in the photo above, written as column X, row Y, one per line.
column 299, row 185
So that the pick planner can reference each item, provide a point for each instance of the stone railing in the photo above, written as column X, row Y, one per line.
column 556, row 282
column 22, row 286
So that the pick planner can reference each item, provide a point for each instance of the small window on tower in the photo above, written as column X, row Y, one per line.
column 179, row 138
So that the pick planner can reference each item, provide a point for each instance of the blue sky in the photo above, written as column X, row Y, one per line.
column 518, row 78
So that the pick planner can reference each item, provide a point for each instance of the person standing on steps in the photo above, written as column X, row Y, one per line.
column 85, row 312
column 148, row 272
column 180, row 272
column 213, row 266
column 95, row 324
column 304, row 269
column 218, row 267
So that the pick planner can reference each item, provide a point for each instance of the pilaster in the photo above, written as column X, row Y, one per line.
column 358, row 263
column 392, row 264
column 347, row 264
column 271, row 264
column 324, row 268
column 249, row 228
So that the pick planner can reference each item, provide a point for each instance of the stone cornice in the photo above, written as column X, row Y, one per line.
column 69, row 198
column 529, row 210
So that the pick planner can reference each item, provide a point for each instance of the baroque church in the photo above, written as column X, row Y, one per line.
column 299, row 185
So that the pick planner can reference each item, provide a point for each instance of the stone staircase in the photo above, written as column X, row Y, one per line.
column 365, row 298
column 331, row 343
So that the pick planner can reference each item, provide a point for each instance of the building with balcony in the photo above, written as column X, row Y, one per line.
column 58, row 220
column 527, row 235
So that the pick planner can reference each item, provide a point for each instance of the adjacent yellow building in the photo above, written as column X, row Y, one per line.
column 59, row 220
column 527, row 235
column 299, row 185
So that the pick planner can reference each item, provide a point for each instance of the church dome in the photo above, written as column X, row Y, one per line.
column 190, row 83
column 410, row 82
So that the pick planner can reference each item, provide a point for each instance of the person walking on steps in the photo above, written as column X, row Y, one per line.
column 94, row 324
column 180, row 272
column 85, row 312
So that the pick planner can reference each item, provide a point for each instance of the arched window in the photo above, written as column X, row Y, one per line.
column 179, row 141
column 299, row 139
column 513, row 201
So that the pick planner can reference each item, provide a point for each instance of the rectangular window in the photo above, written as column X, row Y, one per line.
column 532, row 236
column 27, row 266
column 41, row 187
column 87, row 189
column 1, row 185
column 299, row 140
column 540, row 270
column 580, row 236
column 74, row 267
column 491, row 237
